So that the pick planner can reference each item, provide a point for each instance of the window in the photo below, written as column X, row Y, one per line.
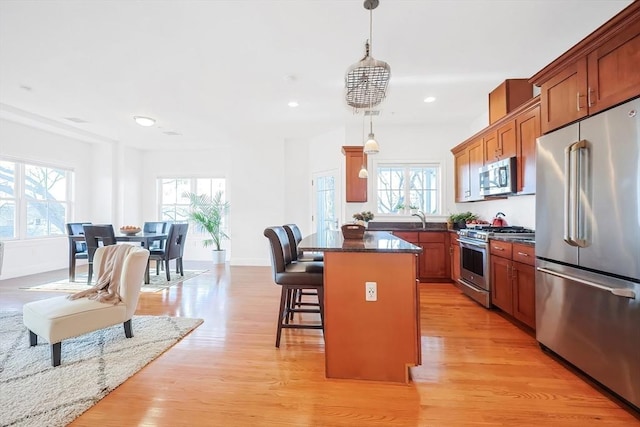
column 35, row 200
column 173, row 206
column 405, row 185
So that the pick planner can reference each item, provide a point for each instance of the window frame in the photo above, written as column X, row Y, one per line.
column 406, row 165
column 193, row 187
column 21, row 201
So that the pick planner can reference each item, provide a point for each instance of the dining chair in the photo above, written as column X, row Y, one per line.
column 96, row 236
column 293, row 276
column 174, row 249
column 77, row 249
column 155, row 227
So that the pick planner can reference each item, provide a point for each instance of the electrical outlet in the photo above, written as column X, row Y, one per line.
column 371, row 291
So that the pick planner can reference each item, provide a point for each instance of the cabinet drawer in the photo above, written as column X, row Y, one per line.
column 500, row 248
column 432, row 237
column 524, row 254
column 409, row 236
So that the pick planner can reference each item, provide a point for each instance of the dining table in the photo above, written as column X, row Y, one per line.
column 145, row 240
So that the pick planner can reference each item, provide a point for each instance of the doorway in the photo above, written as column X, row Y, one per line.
column 325, row 193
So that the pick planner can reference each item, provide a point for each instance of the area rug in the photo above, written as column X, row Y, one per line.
column 33, row 393
column 157, row 283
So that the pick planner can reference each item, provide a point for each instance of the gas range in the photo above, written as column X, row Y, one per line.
column 486, row 232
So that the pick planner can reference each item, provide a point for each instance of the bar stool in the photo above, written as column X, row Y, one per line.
column 293, row 276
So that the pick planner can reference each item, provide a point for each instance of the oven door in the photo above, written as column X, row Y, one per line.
column 474, row 263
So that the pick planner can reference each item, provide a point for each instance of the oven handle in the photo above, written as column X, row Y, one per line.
column 471, row 243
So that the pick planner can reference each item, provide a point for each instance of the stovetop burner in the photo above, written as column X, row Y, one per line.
column 485, row 232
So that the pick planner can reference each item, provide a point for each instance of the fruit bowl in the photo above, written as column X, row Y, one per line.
column 130, row 230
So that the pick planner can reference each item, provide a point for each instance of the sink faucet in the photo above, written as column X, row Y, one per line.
column 422, row 217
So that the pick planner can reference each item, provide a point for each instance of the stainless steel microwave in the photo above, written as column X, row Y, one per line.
column 498, row 177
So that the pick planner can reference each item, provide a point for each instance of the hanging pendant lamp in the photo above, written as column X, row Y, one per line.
column 371, row 146
column 366, row 81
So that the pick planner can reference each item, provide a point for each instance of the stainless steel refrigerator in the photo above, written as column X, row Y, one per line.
column 588, row 247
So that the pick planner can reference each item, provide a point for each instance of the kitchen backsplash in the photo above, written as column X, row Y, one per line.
column 518, row 210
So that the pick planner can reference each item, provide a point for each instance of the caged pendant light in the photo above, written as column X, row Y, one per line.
column 366, row 81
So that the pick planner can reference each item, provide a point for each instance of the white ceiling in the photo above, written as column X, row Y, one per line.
column 215, row 70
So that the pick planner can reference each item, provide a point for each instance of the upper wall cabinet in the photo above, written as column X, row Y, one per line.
column 356, row 187
column 511, row 94
column 527, row 129
column 513, row 135
column 468, row 159
column 598, row 73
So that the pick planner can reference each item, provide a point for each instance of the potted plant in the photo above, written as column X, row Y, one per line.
column 363, row 217
column 459, row 220
column 208, row 214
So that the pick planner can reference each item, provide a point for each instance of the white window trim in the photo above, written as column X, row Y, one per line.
column 373, row 177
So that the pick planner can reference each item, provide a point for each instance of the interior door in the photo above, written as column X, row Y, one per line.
column 325, row 191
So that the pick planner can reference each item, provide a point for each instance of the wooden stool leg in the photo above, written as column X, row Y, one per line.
column 321, row 303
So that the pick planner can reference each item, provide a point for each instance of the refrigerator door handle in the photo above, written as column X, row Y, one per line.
column 619, row 292
column 568, row 187
column 578, row 228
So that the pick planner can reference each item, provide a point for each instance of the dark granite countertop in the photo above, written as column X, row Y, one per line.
column 373, row 241
column 406, row 226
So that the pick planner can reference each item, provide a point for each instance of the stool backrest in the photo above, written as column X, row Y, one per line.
column 280, row 249
column 295, row 236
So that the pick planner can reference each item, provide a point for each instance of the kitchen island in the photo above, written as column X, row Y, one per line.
column 372, row 307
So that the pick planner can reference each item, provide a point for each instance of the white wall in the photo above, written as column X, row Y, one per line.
column 21, row 142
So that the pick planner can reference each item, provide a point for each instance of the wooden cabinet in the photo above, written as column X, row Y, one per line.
column 356, row 187
column 468, row 159
column 513, row 280
column 527, row 128
column 500, row 143
column 507, row 97
column 597, row 73
column 454, row 252
column 434, row 261
column 613, row 73
column 563, row 96
column 514, row 135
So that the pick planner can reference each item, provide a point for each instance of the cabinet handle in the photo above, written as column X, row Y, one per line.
column 589, row 97
column 522, row 254
column 577, row 101
column 498, row 248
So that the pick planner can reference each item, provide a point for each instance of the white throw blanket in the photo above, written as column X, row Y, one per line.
column 107, row 286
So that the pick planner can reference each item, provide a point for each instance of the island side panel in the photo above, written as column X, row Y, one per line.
column 371, row 340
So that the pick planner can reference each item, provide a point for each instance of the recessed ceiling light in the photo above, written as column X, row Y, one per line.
column 293, row 104
column 429, row 99
column 144, row 121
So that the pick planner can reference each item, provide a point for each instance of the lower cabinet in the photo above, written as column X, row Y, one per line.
column 434, row 261
column 513, row 280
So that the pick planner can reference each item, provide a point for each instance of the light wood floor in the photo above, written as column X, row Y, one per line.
column 477, row 368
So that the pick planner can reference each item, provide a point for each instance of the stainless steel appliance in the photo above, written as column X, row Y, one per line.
column 498, row 177
column 588, row 247
column 474, row 258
